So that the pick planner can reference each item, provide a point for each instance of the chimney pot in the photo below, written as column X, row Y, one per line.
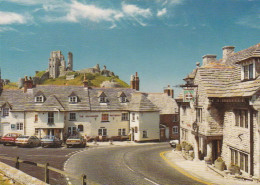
column 227, row 50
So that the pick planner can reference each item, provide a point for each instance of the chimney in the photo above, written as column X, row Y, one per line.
column 169, row 91
column 227, row 50
column 132, row 82
column 85, row 81
column 28, row 83
column 137, row 82
column 208, row 59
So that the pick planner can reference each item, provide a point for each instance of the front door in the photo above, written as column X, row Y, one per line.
column 216, row 149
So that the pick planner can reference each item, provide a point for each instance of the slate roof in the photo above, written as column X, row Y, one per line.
column 57, row 98
column 165, row 103
column 223, row 78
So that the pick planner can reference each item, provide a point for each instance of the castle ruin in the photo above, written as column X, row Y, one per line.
column 57, row 64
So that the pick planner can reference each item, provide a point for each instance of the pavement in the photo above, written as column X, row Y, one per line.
column 199, row 171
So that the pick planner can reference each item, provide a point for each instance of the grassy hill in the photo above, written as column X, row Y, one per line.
column 94, row 80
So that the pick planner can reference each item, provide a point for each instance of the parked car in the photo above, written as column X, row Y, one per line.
column 30, row 141
column 173, row 143
column 49, row 141
column 78, row 141
column 0, row 139
column 10, row 138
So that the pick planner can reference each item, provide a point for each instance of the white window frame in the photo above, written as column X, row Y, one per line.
column 51, row 118
column 102, row 99
column 124, row 116
column 73, row 99
column 39, row 99
column 133, row 116
column 247, row 65
column 122, row 99
column 19, row 126
column 6, row 112
column 72, row 116
column 102, row 131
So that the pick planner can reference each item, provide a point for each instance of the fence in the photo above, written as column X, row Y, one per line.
column 17, row 160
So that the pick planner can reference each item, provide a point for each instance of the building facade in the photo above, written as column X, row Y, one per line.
column 219, row 109
column 68, row 110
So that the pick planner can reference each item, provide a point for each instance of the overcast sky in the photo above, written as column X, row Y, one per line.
column 160, row 39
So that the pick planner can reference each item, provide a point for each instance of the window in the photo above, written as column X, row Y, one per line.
column 72, row 116
column 199, row 115
column 145, row 134
column 248, row 72
column 240, row 159
column 124, row 117
column 102, row 99
column 36, row 118
column 80, row 128
column 102, row 132
column 121, row 132
column 36, row 131
column 19, row 126
column 39, row 99
column 175, row 130
column 105, row 118
column 136, row 129
column 73, row 99
column 5, row 111
column 184, row 133
column 241, row 118
column 175, row 118
column 123, row 99
column 50, row 117
column 133, row 116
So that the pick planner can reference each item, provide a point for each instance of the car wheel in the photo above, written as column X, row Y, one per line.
column 67, row 146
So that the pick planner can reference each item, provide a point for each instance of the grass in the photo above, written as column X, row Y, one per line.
column 11, row 85
column 40, row 73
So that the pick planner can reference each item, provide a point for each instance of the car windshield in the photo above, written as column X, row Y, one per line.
column 24, row 137
column 48, row 137
column 74, row 137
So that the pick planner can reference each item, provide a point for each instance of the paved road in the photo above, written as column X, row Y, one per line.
column 126, row 165
column 54, row 156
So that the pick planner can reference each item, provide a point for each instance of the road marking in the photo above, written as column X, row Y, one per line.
column 181, row 170
column 151, row 181
column 130, row 168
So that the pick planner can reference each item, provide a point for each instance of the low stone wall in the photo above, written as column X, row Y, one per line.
column 19, row 176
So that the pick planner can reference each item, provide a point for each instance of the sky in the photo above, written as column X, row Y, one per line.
column 160, row 39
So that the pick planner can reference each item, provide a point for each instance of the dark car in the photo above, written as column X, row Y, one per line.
column 50, row 141
column 30, row 141
column 173, row 143
column 78, row 141
column 9, row 138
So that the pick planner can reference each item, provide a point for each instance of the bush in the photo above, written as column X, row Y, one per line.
column 178, row 147
column 188, row 147
column 183, row 144
column 234, row 169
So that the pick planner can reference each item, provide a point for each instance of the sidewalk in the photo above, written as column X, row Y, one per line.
column 198, row 170
column 118, row 143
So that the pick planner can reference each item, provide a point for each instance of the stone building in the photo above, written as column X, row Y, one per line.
column 57, row 64
column 219, row 109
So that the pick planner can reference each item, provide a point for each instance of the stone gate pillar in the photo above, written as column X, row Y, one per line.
column 208, row 158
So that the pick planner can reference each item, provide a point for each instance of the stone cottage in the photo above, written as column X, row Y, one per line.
column 219, row 109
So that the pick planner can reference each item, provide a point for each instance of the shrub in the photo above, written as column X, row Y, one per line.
column 178, row 147
column 188, row 147
column 234, row 169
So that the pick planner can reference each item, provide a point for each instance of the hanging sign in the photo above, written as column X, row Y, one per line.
column 188, row 95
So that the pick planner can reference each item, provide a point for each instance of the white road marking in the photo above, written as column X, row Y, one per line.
column 130, row 168
column 151, row 181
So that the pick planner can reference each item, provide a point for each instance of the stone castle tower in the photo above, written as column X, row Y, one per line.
column 57, row 64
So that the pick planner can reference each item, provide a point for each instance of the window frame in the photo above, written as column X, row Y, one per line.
column 145, row 134
column 73, row 99
column 175, row 130
column 19, row 126
column 104, row 117
column 50, row 117
column 242, row 117
column 39, row 99
column 248, row 71
column 72, row 116
column 6, row 112
column 124, row 116
column 102, row 131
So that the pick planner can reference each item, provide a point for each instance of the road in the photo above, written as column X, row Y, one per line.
column 125, row 165
column 56, row 158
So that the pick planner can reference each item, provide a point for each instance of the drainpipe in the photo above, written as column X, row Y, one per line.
column 251, row 127
column 24, row 122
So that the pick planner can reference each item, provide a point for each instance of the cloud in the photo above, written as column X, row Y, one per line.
column 13, row 18
column 133, row 10
column 80, row 11
column 170, row 2
column 161, row 12
column 6, row 28
column 27, row 2
column 250, row 21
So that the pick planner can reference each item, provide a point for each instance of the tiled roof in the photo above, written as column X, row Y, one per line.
column 57, row 99
column 223, row 77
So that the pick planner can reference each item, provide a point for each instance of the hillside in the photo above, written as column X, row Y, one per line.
column 95, row 80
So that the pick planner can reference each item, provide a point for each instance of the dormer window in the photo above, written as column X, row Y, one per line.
column 248, row 69
column 122, row 97
column 39, row 99
column 73, row 98
column 102, row 97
